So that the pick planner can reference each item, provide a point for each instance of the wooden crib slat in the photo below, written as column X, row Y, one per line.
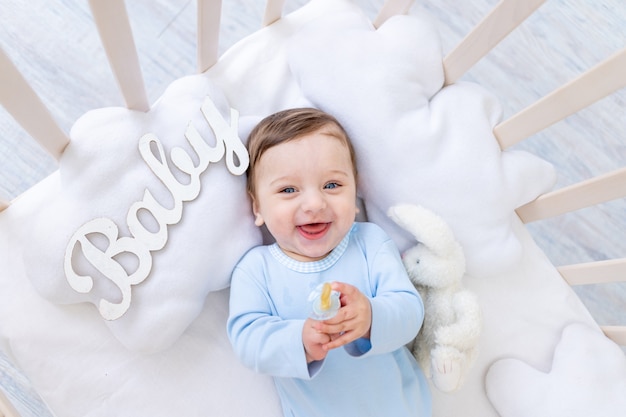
column 3, row 205
column 21, row 101
column 273, row 11
column 615, row 333
column 115, row 32
column 600, row 272
column 6, row 408
column 209, row 14
column 587, row 193
column 598, row 82
column 506, row 16
column 391, row 8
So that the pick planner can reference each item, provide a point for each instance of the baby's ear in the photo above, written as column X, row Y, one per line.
column 258, row 219
column 359, row 214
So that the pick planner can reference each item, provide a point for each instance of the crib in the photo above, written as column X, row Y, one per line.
column 166, row 359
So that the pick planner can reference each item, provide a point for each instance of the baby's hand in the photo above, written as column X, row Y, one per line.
column 313, row 342
column 353, row 320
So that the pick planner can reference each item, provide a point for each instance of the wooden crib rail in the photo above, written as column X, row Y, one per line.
column 6, row 408
column 4, row 202
column 587, row 193
column 392, row 8
column 505, row 16
column 115, row 32
column 598, row 82
column 600, row 272
column 21, row 101
column 209, row 13
column 615, row 333
column 273, row 11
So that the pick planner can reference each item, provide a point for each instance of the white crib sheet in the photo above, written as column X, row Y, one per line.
column 425, row 145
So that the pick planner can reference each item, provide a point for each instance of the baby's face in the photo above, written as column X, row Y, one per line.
column 306, row 195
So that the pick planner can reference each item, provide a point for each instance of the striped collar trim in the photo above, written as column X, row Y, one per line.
column 314, row 266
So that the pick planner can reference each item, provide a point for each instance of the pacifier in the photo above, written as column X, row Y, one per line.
column 324, row 302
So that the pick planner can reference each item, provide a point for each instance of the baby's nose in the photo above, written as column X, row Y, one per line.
column 313, row 201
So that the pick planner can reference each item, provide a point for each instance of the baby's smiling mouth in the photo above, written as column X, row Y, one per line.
column 313, row 230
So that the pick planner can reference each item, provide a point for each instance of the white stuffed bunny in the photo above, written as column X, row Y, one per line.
column 447, row 343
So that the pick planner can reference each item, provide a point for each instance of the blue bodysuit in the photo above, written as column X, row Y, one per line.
column 377, row 377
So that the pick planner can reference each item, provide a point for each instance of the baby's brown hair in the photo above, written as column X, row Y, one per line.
column 291, row 124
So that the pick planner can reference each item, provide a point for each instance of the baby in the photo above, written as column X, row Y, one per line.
column 302, row 182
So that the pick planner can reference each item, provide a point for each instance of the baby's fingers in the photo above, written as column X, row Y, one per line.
column 347, row 291
column 339, row 340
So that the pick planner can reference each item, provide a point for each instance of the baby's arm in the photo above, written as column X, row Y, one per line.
column 262, row 340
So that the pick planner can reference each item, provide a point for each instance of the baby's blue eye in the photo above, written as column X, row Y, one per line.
column 288, row 190
column 331, row 185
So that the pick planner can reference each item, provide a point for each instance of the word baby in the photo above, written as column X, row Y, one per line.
column 143, row 241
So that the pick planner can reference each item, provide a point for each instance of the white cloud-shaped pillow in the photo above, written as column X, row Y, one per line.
column 587, row 378
column 416, row 142
column 145, row 225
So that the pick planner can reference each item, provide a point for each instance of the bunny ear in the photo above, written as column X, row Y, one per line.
column 427, row 227
column 417, row 220
column 405, row 216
